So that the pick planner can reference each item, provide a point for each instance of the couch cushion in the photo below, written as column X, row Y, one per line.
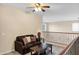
column 29, row 45
column 33, row 38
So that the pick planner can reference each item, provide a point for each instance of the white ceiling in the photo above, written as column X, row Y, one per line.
column 61, row 12
column 56, row 12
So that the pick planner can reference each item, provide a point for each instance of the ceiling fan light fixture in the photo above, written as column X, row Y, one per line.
column 37, row 4
column 38, row 9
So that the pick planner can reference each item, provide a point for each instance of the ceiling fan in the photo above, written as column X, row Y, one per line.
column 39, row 7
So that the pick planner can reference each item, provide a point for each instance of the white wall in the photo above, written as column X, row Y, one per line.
column 63, row 26
column 14, row 22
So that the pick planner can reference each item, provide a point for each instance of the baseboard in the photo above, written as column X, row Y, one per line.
column 6, row 52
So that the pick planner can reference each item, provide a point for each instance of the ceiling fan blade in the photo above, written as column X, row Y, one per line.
column 43, row 10
column 46, row 6
column 37, row 4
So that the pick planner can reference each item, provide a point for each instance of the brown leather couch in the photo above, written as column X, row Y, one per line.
column 22, row 47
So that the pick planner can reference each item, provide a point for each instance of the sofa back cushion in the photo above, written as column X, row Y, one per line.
column 33, row 38
column 26, row 38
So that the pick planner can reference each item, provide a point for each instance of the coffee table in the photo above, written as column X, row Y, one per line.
column 39, row 50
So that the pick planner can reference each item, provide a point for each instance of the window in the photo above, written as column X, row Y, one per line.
column 75, row 27
column 44, row 27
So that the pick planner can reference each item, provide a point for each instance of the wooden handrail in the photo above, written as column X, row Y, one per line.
column 68, row 47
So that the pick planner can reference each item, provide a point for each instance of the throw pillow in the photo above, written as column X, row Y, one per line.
column 25, row 41
column 28, row 39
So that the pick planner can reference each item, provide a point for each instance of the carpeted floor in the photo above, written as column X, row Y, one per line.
column 15, row 53
column 55, row 50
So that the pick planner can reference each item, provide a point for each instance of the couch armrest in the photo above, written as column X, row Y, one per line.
column 18, row 45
